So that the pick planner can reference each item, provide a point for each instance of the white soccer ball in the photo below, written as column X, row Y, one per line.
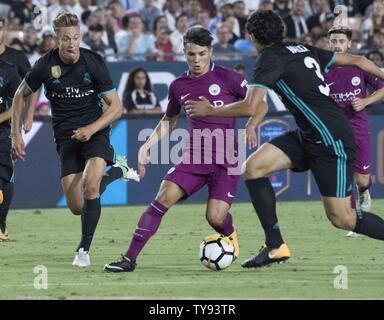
column 216, row 252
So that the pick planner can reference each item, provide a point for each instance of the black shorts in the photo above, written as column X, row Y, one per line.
column 74, row 154
column 6, row 162
column 332, row 166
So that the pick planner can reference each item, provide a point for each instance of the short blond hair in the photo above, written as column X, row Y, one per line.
column 65, row 19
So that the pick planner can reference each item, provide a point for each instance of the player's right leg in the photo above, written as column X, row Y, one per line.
column 363, row 182
column 169, row 193
column 73, row 191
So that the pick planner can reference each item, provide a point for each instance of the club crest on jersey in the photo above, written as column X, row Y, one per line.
column 214, row 89
column 1, row 82
column 56, row 71
column 87, row 78
column 356, row 81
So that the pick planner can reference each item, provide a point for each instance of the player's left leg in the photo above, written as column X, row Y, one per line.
column 362, row 171
column 7, row 194
column 222, row 188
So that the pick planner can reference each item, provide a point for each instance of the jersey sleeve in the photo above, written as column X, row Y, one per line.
column 14, row 81
column 325, row 57
column 239, row 86
column 268, row 70
column 103, row 81
column 373, row 81
column 34, row 78
column 174, row 106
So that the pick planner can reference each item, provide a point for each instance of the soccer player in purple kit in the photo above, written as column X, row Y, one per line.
column 348, row 87
column 221, row 86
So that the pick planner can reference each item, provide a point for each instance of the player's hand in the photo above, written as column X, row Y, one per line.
column 27, row 125
column 201, row 108
column 18, row 147
column 359, row 104
column 82, row 134
column 250, row 136
column 143, row 160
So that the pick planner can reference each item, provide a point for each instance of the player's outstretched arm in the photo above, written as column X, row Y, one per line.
column 113, row 111
column 252, row 105
column 346, row 59
column 21, row 94
column 165, row 125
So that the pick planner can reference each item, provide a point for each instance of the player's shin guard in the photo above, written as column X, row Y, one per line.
column 89, row 219
column 264, row 201
column 369, row 224
column 145, row 229
column 7, row 189
column 226, row 228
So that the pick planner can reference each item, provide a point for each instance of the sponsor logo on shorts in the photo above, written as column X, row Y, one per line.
column 366, row 167
column 230, row 195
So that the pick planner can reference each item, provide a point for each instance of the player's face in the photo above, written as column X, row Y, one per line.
column 2, row 32
column 339, row 42
column 69, row 39
column 198, row 58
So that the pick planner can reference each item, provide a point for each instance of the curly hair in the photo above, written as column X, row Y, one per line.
column 266, row 26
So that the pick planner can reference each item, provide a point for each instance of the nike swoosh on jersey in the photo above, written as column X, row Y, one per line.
column 366, row 167
column 184, row 96
column 229, row 195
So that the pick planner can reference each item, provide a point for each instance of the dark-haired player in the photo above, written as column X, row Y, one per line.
column 348, row 87
column 323, row 143
column 77, row 82
column 221, row 86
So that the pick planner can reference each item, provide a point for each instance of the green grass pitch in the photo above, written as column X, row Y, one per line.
column 169, row 268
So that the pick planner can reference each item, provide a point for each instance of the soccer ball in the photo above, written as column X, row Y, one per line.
column 216, row 252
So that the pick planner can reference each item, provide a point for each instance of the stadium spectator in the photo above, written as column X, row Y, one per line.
column 176, row 37
column 83, row 5
column 30, row 43
column 159, row 23
column 117, row 12
column 374, row 21
column 136, row 45
column 193, row 8
column 48, row 42
column 295, row 21
column 22, row 12
column 266, row 5
column 282, row 7
column 131, row 5
column 172, row 9
column 138, row 96
column 376, row 57
column 224, row 50
column 149, row 13
column 228, row 16
column 57, row 7
column 307, row 39
column 163, row 45
column 351, row 5
column 320, row 10
column 322, row 41
column 241, row 16
column 95, row 42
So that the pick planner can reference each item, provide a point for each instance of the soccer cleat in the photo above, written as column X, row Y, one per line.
column 352, row 234
column 128, row 173
column 365, row 200
column 123, row 265
column 4, row 234
column 267, row 256
column 82, row 259
column 235, row 242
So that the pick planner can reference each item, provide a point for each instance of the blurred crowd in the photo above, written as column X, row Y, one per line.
column 153, row 29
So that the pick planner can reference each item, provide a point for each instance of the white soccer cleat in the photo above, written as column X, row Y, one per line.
column 128, row 173
column 365, row 200
column 82, row 259
column 352, row 234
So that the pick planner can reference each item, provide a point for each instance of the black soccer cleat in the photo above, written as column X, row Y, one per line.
column 124, row 265
column 266, row 256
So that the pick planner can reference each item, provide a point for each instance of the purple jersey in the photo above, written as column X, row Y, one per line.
column 220, row 86
column 346, row 84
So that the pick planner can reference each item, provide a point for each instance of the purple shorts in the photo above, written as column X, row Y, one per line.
column 192, row 177
column 363, row 154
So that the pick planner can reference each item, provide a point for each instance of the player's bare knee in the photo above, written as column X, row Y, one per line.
column 75, row 208
column 215, row 219
column 254, row 172
column 90, row 189
column 342, row 220
column 164, row 199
